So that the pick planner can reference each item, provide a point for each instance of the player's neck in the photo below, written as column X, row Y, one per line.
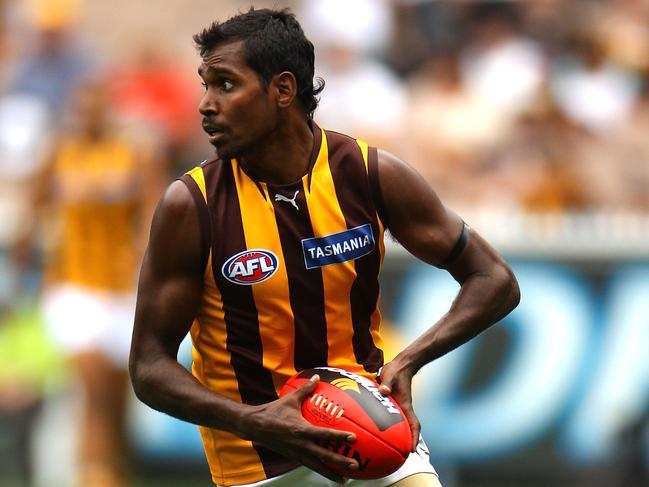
column 284, row 157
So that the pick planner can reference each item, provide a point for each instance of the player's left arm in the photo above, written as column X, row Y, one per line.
column 420, row 222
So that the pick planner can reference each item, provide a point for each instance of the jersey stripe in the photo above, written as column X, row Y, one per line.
column 195, row 182
column 326, row 219
column 371, row 163
column 365, row 289
column 375, row 320
column 243, row 339
column 272, row 295
column 208, row 334
column 198, row 176
column 306, row 289
column 242, row 325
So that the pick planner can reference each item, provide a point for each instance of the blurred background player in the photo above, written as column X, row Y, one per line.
column 94, row 197
column 41, row 69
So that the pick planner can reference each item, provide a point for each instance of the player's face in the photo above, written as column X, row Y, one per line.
column 238, row 111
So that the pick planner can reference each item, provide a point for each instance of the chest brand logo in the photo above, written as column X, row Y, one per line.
column 338, row 247
column 281, row 197
column 250, row 266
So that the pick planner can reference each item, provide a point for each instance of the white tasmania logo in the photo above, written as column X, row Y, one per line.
column 281, row 197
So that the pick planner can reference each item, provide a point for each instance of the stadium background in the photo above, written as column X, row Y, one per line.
column 530, row 118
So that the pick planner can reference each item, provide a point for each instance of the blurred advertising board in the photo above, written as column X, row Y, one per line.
column 557, row 392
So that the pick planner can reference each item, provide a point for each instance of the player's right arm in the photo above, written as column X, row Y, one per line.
column 169, row 294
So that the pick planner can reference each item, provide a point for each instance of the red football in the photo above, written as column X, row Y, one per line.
column 346, row 401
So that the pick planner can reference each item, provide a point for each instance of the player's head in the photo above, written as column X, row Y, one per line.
column 272, row 42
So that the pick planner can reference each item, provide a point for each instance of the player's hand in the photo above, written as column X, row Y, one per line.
column 280, row 426
column 396, row 379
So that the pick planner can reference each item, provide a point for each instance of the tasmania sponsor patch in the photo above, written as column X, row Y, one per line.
column 338, row 247
column 250, row 266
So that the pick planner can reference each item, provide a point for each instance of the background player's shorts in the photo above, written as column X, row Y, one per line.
column 80, row 319
column 417, row 462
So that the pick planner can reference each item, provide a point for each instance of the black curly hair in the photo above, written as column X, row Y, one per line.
column 273, row 41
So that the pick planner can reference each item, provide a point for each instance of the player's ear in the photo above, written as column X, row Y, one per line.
column 285, row 85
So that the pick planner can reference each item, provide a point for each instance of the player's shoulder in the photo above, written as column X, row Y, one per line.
column 178, row 197
column 205, row 165
column 337, row 134
column 388, row 161
column 346, row 147
column 391, row 166
column 175, row 200
column 336, row 137
column 175, row 214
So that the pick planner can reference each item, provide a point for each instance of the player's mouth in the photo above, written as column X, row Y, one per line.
column 213, row 131
column 214, row 137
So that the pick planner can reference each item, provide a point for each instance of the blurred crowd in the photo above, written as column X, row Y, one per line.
column 521, row 107
column 528, row 106
column 507, row 107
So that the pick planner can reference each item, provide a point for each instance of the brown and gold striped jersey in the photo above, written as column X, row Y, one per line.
column 96, row 201
column 290, row 282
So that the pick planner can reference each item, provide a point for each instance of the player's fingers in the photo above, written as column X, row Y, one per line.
column 313, row 456
column 329, row 436
column 330, row 457
column 405, row 401
column 385, row 384
column 302, row 392
column 416, row 431
column 415, row 427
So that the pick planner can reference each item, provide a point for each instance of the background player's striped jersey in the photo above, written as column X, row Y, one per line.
column 97, row 202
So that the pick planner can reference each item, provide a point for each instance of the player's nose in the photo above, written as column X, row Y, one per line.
column 208, row 105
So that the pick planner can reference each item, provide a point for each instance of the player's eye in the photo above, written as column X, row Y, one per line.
column 204, row 85
column 227, row 85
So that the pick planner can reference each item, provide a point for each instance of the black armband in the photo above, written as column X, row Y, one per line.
column 459, row 246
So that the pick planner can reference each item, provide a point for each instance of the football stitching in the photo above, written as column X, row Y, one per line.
column 321, row 401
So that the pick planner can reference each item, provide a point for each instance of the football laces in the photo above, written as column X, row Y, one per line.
column 328, row 405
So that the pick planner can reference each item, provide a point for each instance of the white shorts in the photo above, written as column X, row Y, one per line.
column 417, row 462
column 79, row 319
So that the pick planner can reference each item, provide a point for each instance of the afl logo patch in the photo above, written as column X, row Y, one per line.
column 250, row 266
